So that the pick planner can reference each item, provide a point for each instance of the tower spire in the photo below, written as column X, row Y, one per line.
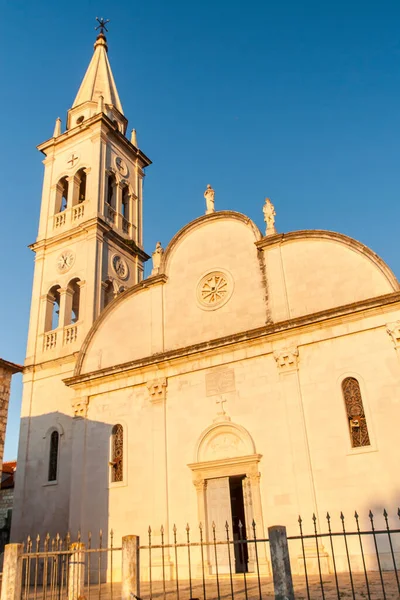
column 99, row 79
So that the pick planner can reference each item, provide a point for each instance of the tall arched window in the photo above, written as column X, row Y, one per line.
column 53, row 456
column 355, row 413
column 111, row 188
column 117, row 453
column 52, row 308
column 82, row 186
column 62, row 195
column 75, row 303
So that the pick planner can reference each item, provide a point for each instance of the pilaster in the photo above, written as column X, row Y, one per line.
column 287, row 361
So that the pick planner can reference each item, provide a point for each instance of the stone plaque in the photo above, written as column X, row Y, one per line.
column 220, row 381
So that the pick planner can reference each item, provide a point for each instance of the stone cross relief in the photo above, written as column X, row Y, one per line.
column 72, row 159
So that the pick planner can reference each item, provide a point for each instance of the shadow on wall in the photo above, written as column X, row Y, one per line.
column 63, row 479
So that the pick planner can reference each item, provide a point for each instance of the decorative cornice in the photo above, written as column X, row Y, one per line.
column 157, row 389
column 333, row 236
column 349, row 310
column 88, row 126
column 287, row 359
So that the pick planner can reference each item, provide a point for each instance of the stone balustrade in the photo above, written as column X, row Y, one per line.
column 64, row 335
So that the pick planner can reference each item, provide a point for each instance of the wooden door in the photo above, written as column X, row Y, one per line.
column 219, row 513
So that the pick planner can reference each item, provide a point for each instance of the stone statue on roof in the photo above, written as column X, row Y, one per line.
column 157, row 256
column 269, row 217
column 209, row 196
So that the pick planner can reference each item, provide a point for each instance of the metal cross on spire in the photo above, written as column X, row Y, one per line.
column 102, row 24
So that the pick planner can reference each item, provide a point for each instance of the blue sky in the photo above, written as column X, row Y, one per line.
column 298, row 101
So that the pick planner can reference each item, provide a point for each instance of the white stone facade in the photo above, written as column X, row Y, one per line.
column 227, row 362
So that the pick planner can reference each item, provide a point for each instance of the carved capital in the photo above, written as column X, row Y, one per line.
column 200, row 485
column 287, row 359
column 393, row 330
column 157, row 389
column 80, row 407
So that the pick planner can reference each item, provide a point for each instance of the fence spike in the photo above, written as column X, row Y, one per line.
column 341, row 516
column 385, row 513
column 162, row 529
column 213, row 526
column 149, row 530
column 253, row 524
column 187, row 527
column 226, row 525
column 300, row 520
column 355, row 515
column 314, row 518
column 201, row 524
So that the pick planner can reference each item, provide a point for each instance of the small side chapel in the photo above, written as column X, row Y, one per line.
column 252, row 375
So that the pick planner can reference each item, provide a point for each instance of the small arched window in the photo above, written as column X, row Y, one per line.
column 62, row 192
column 125, row 203
column 108, row 293
column 355, row 413
column 117, row 453
column 53, row 456
column 82, row 186
column 52, row 308
column 75, row 301
column 111, row 187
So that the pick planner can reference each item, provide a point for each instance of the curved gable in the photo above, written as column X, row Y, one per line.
column 312, row 271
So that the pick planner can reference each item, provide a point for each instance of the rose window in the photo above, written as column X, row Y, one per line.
column 214, row 289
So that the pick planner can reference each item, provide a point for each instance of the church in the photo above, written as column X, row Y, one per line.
column 254, row 375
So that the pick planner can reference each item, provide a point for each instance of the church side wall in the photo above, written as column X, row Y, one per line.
column 41, row 506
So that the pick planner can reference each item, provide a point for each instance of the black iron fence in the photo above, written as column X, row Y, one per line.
column 54, row 568
column 333, row 558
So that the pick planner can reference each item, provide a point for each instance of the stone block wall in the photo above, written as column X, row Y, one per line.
column 6, row 502
column 5, row 384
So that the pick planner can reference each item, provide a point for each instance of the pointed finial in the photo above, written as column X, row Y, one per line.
column 209, row 195
column 57, row 128
column 269, row 217
column 100, row 104
column 157, row 256
column 134, row 138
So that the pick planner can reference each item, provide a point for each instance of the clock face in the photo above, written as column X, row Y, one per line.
column 121, row 166
column 65, row 261
column 120, row 267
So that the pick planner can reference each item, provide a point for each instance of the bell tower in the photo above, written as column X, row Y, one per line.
column 89, row 245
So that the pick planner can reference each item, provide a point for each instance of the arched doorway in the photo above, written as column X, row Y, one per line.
column 226, row 476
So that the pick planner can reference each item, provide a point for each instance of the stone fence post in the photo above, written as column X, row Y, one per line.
column 130, row 567
column 12, row 572
column 76, row 571
column 282, row 574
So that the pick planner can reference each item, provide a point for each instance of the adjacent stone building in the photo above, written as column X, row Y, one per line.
column 251, row 376
column 7, row 370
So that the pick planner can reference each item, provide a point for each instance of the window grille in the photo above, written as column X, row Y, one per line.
column 117, row 453
column 355, row 413
column 53, row 457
